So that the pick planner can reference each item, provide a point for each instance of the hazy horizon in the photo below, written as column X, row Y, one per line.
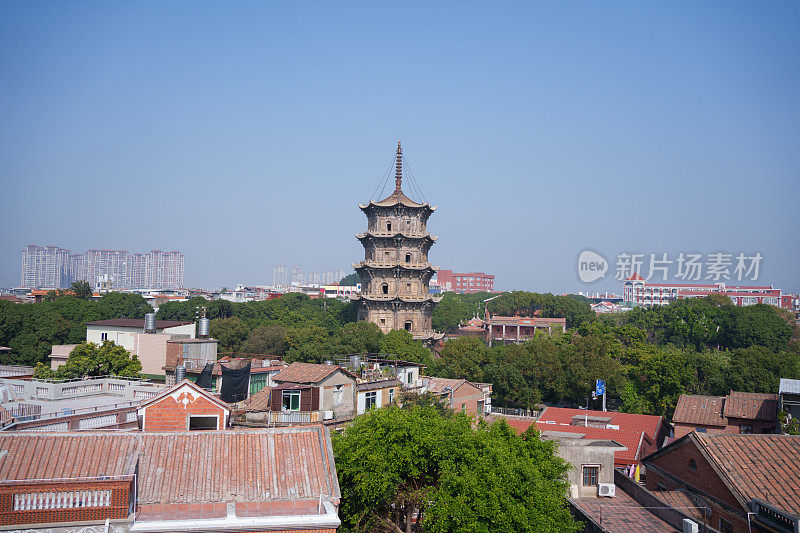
column 245, row 135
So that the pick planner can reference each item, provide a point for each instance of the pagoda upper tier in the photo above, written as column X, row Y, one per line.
column 397, row 199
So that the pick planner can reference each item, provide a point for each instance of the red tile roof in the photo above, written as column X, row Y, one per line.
column 259, row 401
column 650, row 424
column 751, row 406
column 700, row 410
column 763, row 467
column 306, row 373
column 632, row 440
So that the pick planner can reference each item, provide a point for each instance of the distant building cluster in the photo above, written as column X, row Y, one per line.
column 56, row 268
column 283, row 276
column 464, row 282
column 637, row 291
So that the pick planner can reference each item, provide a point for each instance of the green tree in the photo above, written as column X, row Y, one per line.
column 82, row 289
column 230, row 332
column 350, row 280
column 266, row 340
column 89, row 359
column 395, row 463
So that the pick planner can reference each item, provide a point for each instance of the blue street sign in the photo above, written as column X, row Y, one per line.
column 600, row 387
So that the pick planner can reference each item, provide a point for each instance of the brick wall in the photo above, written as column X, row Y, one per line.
column 469, row 395
column 168, row 414
column 673, row 471
column 117, row 508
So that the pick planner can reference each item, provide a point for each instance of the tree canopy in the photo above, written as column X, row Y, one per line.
column 89, row 359
column 30, row 330
column 396, row 465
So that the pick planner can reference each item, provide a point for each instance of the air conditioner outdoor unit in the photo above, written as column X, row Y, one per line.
column 606, row 489
column 690, row 526
column 327, row 415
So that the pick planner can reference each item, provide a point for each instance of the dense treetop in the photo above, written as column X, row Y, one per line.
column 419, row 460
column 648, row 357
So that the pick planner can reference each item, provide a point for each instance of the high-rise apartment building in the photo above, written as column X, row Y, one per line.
column 50, row 266
column 45, row 266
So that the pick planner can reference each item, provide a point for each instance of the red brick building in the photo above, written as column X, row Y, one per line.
column 465, row 282
column 266, row 480
column 183, row 407
column 461, row 395
column 739, row 412
column 750, row 483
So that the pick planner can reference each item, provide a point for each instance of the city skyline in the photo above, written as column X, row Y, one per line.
column 540, row 131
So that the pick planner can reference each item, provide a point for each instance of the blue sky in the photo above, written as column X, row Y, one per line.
column 245, row 134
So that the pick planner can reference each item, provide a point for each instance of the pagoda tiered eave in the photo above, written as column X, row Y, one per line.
column 390, row 265
column 394, row 235
column 394, row 298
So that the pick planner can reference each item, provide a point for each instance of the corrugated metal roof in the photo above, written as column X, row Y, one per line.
column 184, row 467
column 789, row 386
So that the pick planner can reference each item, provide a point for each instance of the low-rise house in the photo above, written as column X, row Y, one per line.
column 261, row 370
column 738, row 412
column 519, row 329
column 149, row 346
column 461, row 395
column 267, row 480
column 640, row 435
column 789, row 397
column 749, row 482
column 184, row 407
column 376, row 394
column 304, row 393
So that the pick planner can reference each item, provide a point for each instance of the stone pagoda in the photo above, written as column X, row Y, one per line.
column 395, row 272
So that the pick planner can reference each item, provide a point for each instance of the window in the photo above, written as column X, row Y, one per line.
column 463, row 407
column 408, row 258
column 388, row 226
column 291, row 400
column 385, row 288
column 693, row 464
column 590, row 474
column 104, row 336
column 202, row 423
column 410, row 377
column 391, row 395
column 383, row 321
column 408, row 325
column 745, row 428
column 725, row 526
column 338, row 395
column 370, row 400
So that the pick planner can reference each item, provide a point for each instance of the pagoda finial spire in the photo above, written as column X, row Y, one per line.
column 398, row 168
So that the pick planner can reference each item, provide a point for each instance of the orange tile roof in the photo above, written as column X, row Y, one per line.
column 306, row 373
column 751, row 406
column 650, row 424
column 700, row 410
column 632, row 440
column 621, row 514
